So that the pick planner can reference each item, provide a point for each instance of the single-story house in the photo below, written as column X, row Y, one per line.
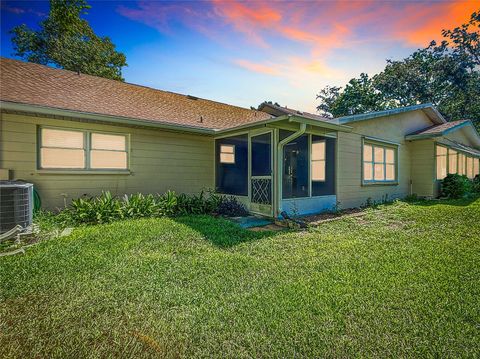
column 72, row 134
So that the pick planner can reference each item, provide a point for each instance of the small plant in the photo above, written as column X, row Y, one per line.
column 455, row 186
column 231, row 207
column 167, row 204
column 138, row 205
column 102, row 209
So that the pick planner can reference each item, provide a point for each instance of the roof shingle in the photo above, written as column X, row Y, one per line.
column 438, row 129
column 34, row 84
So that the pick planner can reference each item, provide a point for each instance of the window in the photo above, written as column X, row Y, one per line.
column 461, row 164
column 108, row 151
column 470, row 167
column 476, row 166
column 69, row 149
column 227, row 153
column 379, row 163
column 62, row 149
column 441, row 162
column 318, row 161
column 452, row 161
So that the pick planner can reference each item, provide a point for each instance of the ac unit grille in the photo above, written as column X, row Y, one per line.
column 16, row 205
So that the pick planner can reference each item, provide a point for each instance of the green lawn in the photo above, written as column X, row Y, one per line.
column 402, row 282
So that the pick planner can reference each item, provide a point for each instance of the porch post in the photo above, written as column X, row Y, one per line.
column 301, row 131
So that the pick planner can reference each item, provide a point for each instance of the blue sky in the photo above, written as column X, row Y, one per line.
column 243, row 53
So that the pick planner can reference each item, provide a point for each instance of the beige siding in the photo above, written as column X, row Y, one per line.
column 350, row 191
column 423, row 168
column 159, row 160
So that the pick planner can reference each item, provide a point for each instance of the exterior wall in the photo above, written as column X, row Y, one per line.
column 350, row 190
column 159, row 161
column 423, row 168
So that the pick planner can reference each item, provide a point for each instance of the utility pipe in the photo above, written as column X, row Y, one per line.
column 301, row 131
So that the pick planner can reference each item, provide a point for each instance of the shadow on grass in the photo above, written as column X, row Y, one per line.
column 222, row 232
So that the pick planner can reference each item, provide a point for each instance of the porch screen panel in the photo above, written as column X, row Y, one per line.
column 232, row 178
column 262, row 155
column 296, row 163
column 327, row 187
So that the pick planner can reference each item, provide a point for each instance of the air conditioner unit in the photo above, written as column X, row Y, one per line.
column 16, row 205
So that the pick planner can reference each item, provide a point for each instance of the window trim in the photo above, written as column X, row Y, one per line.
column 385, row 145
column 87, row 134
column 233, row 152
column 324, row 141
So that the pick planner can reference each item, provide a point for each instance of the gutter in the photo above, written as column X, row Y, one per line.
column 119, row 120
column 43, row 110
column 281, row 144
column 435, row 116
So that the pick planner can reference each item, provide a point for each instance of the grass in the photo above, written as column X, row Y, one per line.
column 400, row 282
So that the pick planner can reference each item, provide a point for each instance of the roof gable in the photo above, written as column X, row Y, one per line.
column 448, row 128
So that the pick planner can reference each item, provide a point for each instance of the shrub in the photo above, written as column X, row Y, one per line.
column 476, row 184
column 167, row 204
column 138, row 205
column 107, row 208
column 231, row 207
column 102, row 209
column 455, row 186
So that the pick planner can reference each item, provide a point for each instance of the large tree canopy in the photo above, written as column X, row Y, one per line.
column 446, row 75
column 66, row 40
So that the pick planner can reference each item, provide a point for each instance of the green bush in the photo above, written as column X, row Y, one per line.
column 476, row 184
column 455, row 186
column 231, row 207
column 107, row 208
column 138, row 205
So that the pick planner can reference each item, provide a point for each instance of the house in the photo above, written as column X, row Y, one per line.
column 73, row 134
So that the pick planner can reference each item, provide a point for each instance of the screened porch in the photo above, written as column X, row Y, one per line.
column 277, row 168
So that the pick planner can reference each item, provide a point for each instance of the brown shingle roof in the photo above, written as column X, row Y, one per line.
column 279, row 110
column 34, row 84
column 438, row 129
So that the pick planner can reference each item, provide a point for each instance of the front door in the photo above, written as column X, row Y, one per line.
column 261, row 180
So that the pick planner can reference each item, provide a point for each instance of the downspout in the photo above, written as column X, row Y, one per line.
column 301, row 131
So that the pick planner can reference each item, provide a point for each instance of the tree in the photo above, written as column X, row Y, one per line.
column 66, row 40
column 359, row 96
column 446, row 75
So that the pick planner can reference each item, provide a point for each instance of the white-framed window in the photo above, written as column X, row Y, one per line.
column 227, row 154
column 318, row 161
column 379, row 163
column 73, row 149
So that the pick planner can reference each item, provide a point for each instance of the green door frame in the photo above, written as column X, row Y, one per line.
column 262, row 209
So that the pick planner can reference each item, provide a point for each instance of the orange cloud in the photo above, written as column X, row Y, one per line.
column 266, row 69
column 425, row 22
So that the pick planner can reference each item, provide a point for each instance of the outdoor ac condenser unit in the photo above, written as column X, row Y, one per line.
column 16, row 205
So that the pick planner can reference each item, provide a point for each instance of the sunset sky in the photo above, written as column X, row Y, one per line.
column 244, row 53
